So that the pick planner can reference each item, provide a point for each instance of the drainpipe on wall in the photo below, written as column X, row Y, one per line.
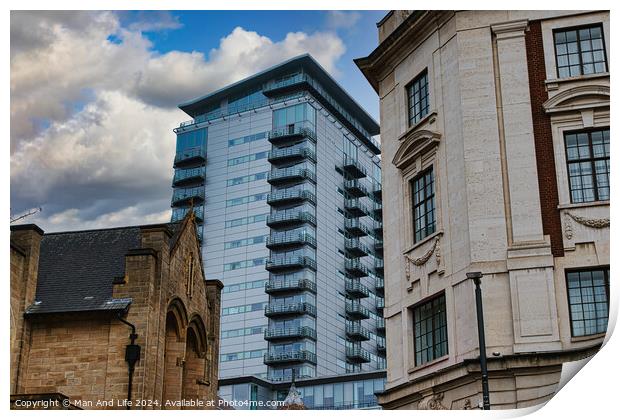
column 132, row 355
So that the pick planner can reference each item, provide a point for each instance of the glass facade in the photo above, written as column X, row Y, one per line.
column 285, row 170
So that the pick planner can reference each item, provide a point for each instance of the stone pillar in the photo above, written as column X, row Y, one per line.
column 25, row 247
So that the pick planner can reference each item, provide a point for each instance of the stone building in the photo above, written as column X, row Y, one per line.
column 495, row 146
column 74, row 298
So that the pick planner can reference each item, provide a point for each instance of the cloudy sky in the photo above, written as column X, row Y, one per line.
column 94, row 96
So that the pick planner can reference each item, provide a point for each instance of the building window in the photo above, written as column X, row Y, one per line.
column 588, row 301
column 423, row 196
column 587, row 157
column 580, row 51
column 430, row 330
column 417, row 94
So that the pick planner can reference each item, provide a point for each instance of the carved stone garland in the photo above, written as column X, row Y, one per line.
column 432, row 402
column 423, row 259
column 593, row 223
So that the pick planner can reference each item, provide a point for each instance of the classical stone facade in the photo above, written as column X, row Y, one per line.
column 69, row 293
column 516, row 102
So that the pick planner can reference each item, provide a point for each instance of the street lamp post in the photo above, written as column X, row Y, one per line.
column 486, row 405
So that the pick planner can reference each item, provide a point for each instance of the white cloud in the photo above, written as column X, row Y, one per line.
column 338, row 19
column 93, row 106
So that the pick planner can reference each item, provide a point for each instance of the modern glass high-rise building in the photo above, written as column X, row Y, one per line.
column 284, row 177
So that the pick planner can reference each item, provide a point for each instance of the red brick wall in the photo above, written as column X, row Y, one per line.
column 545, row 160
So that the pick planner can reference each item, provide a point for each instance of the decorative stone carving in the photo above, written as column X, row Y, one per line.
column 438, row 251
column 593, row 223
column 568, row 227
column 432, row 402
column 467, row 405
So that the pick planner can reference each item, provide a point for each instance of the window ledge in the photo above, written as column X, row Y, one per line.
column 587, row 338
column 423, row 241
column 581, row 205
column 554, row 84
column 428, row 364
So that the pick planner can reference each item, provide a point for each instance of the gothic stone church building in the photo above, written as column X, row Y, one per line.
column 81, row 303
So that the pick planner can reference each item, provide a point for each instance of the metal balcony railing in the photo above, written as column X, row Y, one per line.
column 283, row 239
column 379, row 283
column 379, row 244
column 380, row 303
column 357, row 354
column 179, row 214
column 187, row 195
column 380, row 324
column 293, row 153
column 193, row 155
column 273, row 334
column 356, row 188
column 356, row 248
column 379, row 266
column 279, row 263
column 356, row 332
column 283, row 286
column 277, row 309
column 357, row 228
column 288, row 196
column 186, row 176
column 289, row 357
column 356, row 289
column 288, row 217
column 356, row 310
column 280, row 176
column 303, row 129
column 355, row 267
column 356, row 207
column 353, row 168
column 381, row 344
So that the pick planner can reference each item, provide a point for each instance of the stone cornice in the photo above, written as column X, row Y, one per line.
column 511, row 29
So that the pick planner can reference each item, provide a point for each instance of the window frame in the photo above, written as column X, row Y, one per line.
column 408, row 97
column 422, row 175
column 430, row 299
column 606, row 273
column 577, row 28
column 591, row 159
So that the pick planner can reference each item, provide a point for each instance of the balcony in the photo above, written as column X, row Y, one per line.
column 380, row 303
column 188, row 195
column 275, row 334
column 356, row 332
column 180, row 213
column 291, row 154
column 379, row 266
column 274, row 287
column 377, row 211
column 356, row 227
column 379, row 245
column 355, row 267
column 285, row 175
column 283, row 309
column 356, row 248
column 356, row 289
column 283, row 240
column 356, row 311
column 381, row 344
column 290, row 196
column 290, row 218
column 356, row 208
column 353, row 168
column 355, row 188
column 376, row 192
column 192, row 156
column 299, row 356
column 378, row 228
column 356, row 354
column 380, row 324
column 287, row 263
column 379, row 284
column 292, row 132
column 188, row 176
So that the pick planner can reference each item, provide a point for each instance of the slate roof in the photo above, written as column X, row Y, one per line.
column 77, row 270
